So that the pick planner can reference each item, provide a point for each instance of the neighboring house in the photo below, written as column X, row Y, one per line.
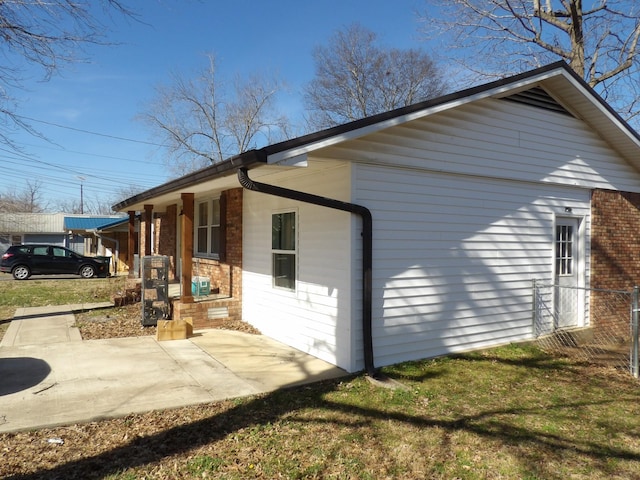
column 472, row 196
column 76, row 232
column 19, row 228
column 115, row 234
column 103, row 236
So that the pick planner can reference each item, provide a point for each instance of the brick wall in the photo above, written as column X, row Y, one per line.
column 615, row 256
column 207, row 313
column 141, row 237
column 225, row 274
column 615, row 240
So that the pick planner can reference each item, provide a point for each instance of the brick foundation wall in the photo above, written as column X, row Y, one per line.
column 615, row 255
column 207, row 313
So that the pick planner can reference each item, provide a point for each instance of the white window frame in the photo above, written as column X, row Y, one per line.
column 565, row 248
column 293, row 252
column 210, row 202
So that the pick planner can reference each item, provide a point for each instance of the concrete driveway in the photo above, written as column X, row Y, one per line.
column 49, row 376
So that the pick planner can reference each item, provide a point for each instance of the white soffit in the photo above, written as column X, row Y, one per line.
column 293, row 161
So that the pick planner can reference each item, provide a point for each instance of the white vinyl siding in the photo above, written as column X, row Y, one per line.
column 455, row 258
column 316, row 317
column 502, row 140
column 464, row 206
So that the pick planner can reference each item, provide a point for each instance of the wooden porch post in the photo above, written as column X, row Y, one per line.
column 186, row 243
column 148, row 216
column 131, row 243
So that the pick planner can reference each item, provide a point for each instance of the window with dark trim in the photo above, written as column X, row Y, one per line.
column 208, row 229
column 283, row 250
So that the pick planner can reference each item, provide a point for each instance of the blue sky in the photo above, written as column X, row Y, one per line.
column 105, row 94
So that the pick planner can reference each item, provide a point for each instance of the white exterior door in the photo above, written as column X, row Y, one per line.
column 568, row 269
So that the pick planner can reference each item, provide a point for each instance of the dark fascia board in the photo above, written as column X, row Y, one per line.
column 443, row 100
column 427, row 104
column 253, row 158
column 248, row 159
column 598, row 98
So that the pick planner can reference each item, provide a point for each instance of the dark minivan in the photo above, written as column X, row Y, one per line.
column 22, row 261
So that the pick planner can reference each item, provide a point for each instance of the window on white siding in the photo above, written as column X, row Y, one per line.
column 208, row 231
column 283, row 248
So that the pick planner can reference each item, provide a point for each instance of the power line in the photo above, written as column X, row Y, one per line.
column 114, row 184
column 92, row 133
column 86, row 154
column 107, row 174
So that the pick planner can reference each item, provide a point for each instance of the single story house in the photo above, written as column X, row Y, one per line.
column 412, row 233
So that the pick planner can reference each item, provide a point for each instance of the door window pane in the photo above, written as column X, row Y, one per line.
column 564, row 249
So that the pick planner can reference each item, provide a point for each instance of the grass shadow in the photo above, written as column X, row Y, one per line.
column 490, row 424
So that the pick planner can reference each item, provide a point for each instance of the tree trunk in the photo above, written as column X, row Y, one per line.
column 577, row 38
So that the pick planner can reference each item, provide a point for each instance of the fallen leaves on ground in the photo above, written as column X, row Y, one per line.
column 118, row 322
column 29, row 452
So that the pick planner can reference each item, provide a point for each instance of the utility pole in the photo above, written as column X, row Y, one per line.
column 81, row 178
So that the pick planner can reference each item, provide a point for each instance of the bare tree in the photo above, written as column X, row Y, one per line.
column 355, row 78
column 597, row 38
column 28, row 200
column 47, row 34
column 205, row 120
column 91, row 204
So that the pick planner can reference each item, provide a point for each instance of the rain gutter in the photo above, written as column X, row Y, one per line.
column 367, row 249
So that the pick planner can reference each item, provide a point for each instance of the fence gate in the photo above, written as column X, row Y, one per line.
column 610, row 332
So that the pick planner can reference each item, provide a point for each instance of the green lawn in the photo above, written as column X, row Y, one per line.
column 506, row 413
column 37, row 293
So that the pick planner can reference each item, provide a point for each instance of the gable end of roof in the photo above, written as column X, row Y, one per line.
column 539, row 98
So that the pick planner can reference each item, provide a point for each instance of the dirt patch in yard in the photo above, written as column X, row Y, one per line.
column 118, row 322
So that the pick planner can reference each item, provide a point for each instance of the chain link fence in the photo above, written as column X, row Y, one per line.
column 591, row 325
